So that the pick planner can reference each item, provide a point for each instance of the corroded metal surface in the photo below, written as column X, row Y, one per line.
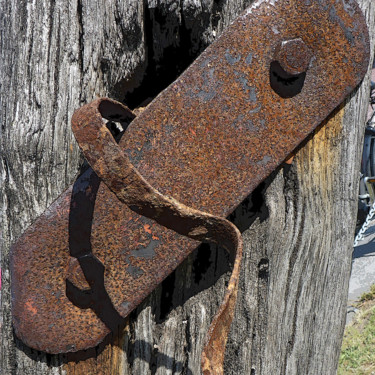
column 207, row 141
column 114, row 168
column 293, row 56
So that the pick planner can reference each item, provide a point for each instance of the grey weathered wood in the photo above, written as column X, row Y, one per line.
column 298, row 226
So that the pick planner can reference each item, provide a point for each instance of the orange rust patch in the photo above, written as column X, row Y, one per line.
column 30, row 307
column 147, row 228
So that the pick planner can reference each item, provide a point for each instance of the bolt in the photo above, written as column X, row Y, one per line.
column 293, row 56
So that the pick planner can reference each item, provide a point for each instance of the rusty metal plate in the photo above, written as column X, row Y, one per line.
column 114, row 168
column 207, row 141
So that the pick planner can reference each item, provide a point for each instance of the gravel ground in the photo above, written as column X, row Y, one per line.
column 363, row 265
column 363, row 262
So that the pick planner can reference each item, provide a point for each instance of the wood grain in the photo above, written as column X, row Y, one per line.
column 298, row 225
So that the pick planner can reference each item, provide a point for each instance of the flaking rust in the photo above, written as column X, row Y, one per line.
column 180, row 168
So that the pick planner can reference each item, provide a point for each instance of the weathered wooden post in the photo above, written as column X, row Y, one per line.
column 298, row 225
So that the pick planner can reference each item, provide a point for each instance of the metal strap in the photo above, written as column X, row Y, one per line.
column 115, row 169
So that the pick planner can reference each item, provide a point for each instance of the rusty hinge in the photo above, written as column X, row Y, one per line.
column 180, row 168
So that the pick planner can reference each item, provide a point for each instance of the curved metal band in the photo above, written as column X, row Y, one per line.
column 115, row 169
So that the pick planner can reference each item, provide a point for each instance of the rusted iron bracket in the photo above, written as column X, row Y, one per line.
column 180, row 168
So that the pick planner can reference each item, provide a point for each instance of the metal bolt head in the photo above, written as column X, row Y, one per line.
column 293, row 56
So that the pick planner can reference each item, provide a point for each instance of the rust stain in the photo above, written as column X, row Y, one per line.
column 147, row 228
column 324, row 159
column 31, row 308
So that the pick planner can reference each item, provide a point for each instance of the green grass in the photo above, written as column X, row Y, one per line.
column 358, row 348
column 370, row 296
